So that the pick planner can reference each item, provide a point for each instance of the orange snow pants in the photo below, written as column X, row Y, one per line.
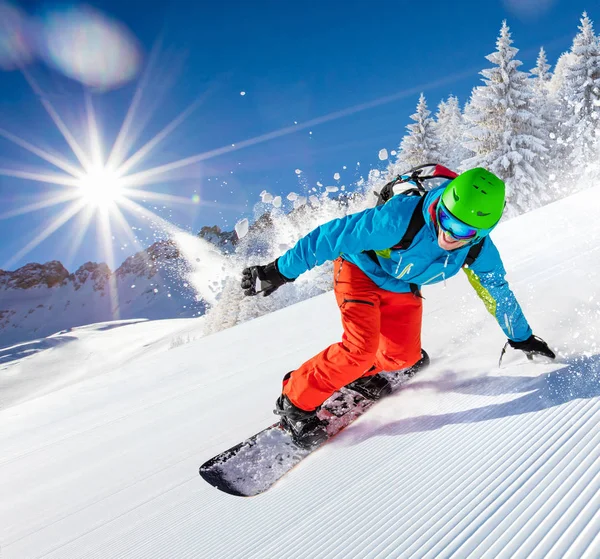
column 382, row 332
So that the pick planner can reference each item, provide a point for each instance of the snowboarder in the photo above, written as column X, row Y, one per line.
column 377, row 283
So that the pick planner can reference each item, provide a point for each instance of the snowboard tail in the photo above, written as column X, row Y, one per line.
column 257, row 463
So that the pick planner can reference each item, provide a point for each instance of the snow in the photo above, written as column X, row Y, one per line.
column 336, row 176
column 300, row 201
column 266, row 197
column 241, row 228
column 383, row 154
column 31, row 308
column 103, row 429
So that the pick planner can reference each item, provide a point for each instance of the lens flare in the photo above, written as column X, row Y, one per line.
column 14, row 47
column 90, row 47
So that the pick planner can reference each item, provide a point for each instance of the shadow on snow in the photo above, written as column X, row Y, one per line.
column 579, row 379
column 27, row 349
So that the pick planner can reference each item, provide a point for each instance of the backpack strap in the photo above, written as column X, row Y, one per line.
column 473, row 253
column 416, row 223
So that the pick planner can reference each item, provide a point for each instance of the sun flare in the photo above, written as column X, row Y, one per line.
column 101, row 187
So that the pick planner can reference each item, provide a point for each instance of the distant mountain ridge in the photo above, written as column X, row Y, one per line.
column 38, row 300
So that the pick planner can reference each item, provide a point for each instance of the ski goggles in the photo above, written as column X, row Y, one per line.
column 454, row 227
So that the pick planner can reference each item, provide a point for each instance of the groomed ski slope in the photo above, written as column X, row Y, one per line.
column 470, row 460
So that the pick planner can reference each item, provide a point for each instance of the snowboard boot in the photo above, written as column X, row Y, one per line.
column 420, row 364
column 373, row 387
column 305, row 427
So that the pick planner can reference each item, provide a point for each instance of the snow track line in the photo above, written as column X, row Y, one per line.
column 510, row 540
column 447, row 502
column 553, row 514
column 423, row 446
column 381, row 512
column 466, row 527
column 522, row 496
column 115, row 518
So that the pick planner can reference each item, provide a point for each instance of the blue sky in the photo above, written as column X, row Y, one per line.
column 296, row 61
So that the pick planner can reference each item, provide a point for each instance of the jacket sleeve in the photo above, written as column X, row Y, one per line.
column 486, row 275
column 376, row 228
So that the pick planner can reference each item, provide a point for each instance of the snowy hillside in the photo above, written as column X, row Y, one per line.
column 42, row 299
column 470, row 460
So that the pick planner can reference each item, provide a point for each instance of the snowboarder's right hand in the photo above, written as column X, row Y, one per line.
column 262, row 279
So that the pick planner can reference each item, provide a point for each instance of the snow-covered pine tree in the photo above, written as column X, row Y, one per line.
column 420, row 145
column 541, row 73
column 503, row 131
column 579, row 96
column 544, row 106
column 449, row 130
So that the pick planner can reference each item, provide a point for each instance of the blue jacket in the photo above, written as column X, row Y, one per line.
column 423, row 263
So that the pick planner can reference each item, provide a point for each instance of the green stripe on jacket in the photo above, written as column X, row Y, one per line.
column 482, row 292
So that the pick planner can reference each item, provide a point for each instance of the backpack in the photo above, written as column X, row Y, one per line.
column 421, row 176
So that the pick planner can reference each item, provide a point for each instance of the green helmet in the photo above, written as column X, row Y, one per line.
column 476, row 197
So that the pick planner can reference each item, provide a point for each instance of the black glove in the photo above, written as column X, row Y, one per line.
column 262, row 279
column 533, row 346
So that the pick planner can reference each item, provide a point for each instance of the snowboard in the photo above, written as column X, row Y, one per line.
column 257, row 463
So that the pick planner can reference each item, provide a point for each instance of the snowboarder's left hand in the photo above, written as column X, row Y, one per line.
column 533, row 346
column 262, row 279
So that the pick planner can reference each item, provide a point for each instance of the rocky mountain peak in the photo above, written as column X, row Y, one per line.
column 33, row 274
column 92, row 271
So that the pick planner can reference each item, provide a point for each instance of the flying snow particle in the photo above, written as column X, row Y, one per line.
column 331, row 188
column 292, row 196
column 133, row 286
column 336, row 177
column 319, row 183
column 383, row 154
column 394, row 152
column 298, row 171
column 242, row 93
column 266, row 197
column 277, row 202
column 241, row 228
column 155, row 290
column 299, row 201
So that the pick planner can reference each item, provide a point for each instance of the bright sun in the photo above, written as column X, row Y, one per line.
column 101, row 187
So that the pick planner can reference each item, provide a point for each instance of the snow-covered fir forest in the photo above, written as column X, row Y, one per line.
column 539, row 130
